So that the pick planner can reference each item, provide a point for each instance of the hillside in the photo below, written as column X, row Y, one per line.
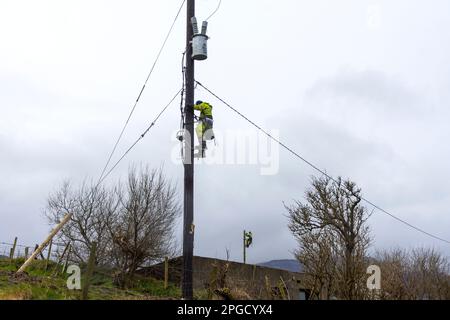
column 284, row 264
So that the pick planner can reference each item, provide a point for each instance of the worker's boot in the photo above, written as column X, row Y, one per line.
column 200, row 150
column 204, row 147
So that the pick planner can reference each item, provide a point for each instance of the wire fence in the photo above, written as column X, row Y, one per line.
column 11, row 250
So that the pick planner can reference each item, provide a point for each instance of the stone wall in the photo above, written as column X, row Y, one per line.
column 257, row 281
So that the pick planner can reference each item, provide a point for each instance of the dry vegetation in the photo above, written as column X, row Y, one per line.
column 333, row 237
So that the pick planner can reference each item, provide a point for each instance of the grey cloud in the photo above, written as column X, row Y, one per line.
column 365, row 89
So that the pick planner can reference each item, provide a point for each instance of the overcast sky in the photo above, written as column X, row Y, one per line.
column 359, row 88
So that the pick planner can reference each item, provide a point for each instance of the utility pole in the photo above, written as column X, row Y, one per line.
column 188, row 226
column 247, row 240
column 245, row 247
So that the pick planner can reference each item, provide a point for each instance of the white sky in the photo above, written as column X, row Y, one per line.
column 358, row 87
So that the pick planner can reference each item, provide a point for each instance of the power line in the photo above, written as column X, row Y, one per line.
column 215, row 11
column 139, row 139
column 140, row 93
column 318, row 169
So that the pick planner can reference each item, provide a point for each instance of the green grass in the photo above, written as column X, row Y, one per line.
column 156, row 288
column 43, row 284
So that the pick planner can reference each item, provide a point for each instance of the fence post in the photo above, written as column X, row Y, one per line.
column 67, row 258
column 166, row 273
column 48, row 254
column 13, row 249
column 61, row 257
column 89, row 271
column 26, row 253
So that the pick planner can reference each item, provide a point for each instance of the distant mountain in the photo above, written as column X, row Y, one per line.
column 285, row 264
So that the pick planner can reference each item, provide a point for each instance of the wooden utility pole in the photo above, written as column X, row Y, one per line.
column 245, row 248
column 188, row 226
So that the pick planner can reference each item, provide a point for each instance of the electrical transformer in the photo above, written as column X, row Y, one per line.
column 199, row 41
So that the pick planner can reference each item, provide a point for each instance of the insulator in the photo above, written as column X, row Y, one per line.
column 194, row 25
column 204, row 27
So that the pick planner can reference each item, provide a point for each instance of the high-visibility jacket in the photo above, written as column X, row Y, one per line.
column 205, row 110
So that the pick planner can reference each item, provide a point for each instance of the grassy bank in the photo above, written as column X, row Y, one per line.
column 41, row 283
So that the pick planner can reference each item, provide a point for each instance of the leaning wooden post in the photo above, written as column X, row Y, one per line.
column 44, row 244
column 166, row 273
column 13, row 249
column 48, row 254
column 89, row 272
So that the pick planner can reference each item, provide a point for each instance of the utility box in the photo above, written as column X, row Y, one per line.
column 199, row 41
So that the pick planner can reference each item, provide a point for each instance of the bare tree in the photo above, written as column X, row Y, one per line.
column 142, row 229
column 333, row 237
column 318, row 254
column 132, row 225
column 89, row 207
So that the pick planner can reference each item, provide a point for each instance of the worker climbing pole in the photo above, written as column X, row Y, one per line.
column 204, row 128
column 196, row 49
